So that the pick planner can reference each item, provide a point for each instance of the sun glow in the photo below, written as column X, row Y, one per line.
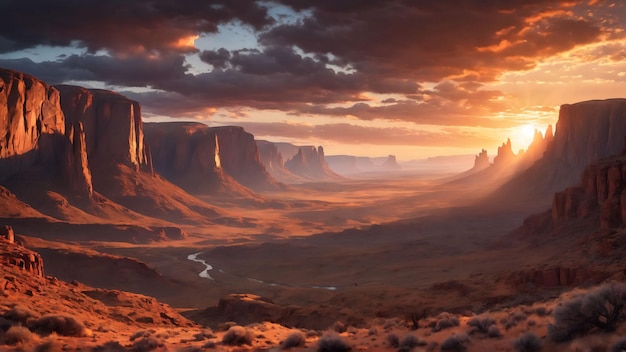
column 523, row 136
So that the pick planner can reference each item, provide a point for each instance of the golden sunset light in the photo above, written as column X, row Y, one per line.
column 313, row 176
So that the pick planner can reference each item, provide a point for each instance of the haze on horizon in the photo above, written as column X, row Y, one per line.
column 415, row 79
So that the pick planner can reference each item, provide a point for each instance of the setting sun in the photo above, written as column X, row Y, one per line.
column 524, row 134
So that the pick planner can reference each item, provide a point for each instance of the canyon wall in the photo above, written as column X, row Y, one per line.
column 310, row 163
column 585, row 132
column 34, row 133
column 602, row 189
column 207, row 160
column 112, row 124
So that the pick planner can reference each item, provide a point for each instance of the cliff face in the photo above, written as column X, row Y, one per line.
column 240, row 158
column 207, row 160
column 112, row 124
column 34, row 133
column 310, row 163
column 602, row 189
column 274, row 162
column 586, row 132
column 28, row 109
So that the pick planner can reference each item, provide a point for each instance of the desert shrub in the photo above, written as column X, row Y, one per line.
column 528, row 342
column 17, row 334
column 19, row 314
column 5, row 324
column 147, row 343
column 237, row 336
column 455, row 342
column 542, row 311
column 372, row 331
column 204, row 334
column 409, row 341
column 481, row 324
column 209, row 344
column 313, row 333
column 49, row 346
column 531, row 322
column 110, row 346
column 600, row 308
column 294, row 339
column 444, row 321
column 60, row 324
column 332, row 343
column 393, row 340
column 140, row 333
column 339, row 327
column 619, row 345
column 494, row 331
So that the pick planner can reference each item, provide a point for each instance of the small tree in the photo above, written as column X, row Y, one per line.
column 601, row 308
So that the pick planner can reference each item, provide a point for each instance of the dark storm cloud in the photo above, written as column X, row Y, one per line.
column 119, row 25
column 338, row 52
column 134, row 70
column 430, row 40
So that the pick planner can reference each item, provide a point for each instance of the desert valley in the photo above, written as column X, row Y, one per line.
column 323, row 176
column 102, row 212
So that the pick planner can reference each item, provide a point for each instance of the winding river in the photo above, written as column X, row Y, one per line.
column 208, row 267
column 204, row 273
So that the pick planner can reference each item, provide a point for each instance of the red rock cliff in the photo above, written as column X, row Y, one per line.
column 34, row 132
column 310, row 162
column 112, row 124
column 207, row 160
column 586, row 132
column 602, row 188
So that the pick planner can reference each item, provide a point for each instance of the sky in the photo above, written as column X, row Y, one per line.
column 362, row 77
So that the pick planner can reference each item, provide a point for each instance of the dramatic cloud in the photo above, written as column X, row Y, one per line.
column 121, row 26
column 475, row 63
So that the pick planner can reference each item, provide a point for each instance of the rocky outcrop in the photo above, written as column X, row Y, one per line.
column 28, row 109
column 112, row 125
column 505, row 154
column 7, row 234
column 481, row 161
column 556, row 276
column 310, row 163
column 207, row 160
column 14, row 254
column 602, row 188
column 274, row 163
column 240, row 158
column 391, row 163
column 34, row 133
column 585, row 132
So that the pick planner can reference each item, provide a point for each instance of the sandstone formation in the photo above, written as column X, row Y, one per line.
column 274, row 162
column 310, row 163
column 34, row 134
column 240, row 158
column 481, row 161
column 505, row 154
column 602, row 189
column 14, row 254
column 585, row 132
column 390, row 163
column 112, row 124
column 207, row 160
column 350, row 164
column 557, row 276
